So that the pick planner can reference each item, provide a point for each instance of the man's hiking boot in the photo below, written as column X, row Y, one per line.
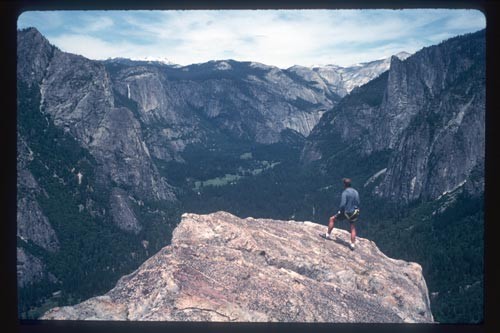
column 352, row 246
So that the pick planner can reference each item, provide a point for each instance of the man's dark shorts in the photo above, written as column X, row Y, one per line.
column 353, row 217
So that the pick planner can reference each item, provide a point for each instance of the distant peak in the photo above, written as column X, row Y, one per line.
column 396, row 59
column 141, row 61
column 400, row 55
column 403, row 55
column 29, row 29
column 328, row 66
column 259, row 65
column 223, row 65
column 298, row 67
column 151, row 59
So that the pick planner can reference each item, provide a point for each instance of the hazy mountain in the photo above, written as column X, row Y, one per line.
column 342, row 80
column 246, row 100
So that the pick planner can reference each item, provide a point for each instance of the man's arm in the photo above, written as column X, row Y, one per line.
column 343, row 201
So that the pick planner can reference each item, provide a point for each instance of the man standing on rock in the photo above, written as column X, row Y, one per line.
column 349, row 209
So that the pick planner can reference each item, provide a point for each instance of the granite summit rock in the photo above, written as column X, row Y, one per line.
column 223, row 268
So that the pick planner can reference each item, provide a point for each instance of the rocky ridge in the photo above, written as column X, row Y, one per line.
column 342, row 80
column 182, row 106
column 223, row 268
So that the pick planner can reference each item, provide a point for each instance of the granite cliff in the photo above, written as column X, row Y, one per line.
column 223, row 268
column 427, row 113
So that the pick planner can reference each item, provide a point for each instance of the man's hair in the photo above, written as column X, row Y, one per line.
column 347, row 182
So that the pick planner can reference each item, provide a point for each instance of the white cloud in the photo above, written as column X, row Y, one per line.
column 97, row 24
column 93, row 48
column 280, row 38
column 41, row 19
column 466, row 19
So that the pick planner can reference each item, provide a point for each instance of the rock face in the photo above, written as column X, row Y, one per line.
column 444, row 142
column 250, row 101
column 32, row 224
column 30, row 269
column 123, row 215
column 223, row 268
column 190, row 104
column 71, row 99
column 32, row 65
column 360, row 74
column 427, row 110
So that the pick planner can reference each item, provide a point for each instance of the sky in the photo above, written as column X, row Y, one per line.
column 281, row 38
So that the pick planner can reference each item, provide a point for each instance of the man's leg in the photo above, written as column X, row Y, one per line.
column 331, row 222
column 353, row 232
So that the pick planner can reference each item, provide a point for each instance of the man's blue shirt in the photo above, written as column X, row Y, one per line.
column 349, row 201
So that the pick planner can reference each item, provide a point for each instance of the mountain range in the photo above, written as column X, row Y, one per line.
column 111, row 153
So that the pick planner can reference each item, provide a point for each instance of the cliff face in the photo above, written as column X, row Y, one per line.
column 32, row 223
column 445, row 141
column 77, row 94
column 191, row 104
column 428, row 111
column 223, row 268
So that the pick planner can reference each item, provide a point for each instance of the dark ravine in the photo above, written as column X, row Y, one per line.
column 223, row 268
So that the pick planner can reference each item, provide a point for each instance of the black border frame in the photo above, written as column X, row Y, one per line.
column 9, row 12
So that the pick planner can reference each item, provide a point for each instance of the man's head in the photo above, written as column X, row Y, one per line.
column 347, row 182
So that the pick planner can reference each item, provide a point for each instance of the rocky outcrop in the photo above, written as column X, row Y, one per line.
column 223, row 268
column 30, row 269
column 76, row 93
column 118, row 142
column 32, row 65
column 123, row 214
column 32, row 224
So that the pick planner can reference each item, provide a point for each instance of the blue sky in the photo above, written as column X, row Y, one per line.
column 282, row 38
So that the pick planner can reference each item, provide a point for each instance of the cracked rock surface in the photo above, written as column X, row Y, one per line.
column 223, row 268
